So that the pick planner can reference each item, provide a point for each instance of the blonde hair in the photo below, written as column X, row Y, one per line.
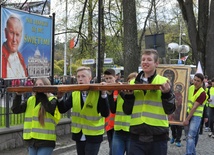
column 132, row 76
column 42, row 112
column 82, row 68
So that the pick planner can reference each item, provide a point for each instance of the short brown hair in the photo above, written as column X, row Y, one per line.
column 151, row 51
column 200, row 76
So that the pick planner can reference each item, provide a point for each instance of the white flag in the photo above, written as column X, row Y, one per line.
column 199, row 69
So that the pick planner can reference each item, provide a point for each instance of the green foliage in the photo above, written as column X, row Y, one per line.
column 60, row 63
column 57, row 70
column 73, row 69
column 114, row 49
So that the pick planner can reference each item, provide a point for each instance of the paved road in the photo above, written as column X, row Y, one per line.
column 205, row 147
column 66, row 146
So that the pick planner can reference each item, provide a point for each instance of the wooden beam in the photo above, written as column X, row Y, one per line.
column 82, row 87
column 176, row 123
column 20, row 89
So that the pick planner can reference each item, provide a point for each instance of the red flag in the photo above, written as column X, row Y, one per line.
column 72, row 43
column 184, row 58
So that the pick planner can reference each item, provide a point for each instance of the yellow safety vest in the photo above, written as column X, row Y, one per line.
column 121, row 121
column 32, row 127
column 148, row 108
column 211, row 94
column 191, row 100
column 86, row 119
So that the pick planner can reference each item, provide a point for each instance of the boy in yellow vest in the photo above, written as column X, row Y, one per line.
column 109, row 77
column 88, row 112
column 149, row 109
column 121, row 136
column 196, row 100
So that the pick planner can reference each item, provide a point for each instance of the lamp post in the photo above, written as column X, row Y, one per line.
column 70, row 64
column 174, row 47
column 65, row 45
column 100, row 5
column 182, row 48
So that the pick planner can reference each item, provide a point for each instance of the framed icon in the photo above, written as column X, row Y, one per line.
column 179, row 76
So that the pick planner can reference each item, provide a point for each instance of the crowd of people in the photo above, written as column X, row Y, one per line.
column 136, row 121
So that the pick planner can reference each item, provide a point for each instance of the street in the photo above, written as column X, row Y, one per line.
column 204, row 147
column 66, row 146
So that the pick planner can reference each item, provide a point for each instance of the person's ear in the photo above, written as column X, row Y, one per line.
column 156, row 63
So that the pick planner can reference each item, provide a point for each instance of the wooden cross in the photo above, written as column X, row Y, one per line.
column 82, row 87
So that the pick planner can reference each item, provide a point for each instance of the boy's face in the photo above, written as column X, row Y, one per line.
column 83, row 77
column 109, row 78
column 197, row 82
column 148, row 63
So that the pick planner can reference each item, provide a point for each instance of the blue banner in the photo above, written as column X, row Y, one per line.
column 27, row 37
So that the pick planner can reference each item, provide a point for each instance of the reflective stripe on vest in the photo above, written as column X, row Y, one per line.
column 122, row 121
column 82, row 126
column 148, row 108
column 32, row 127
column 86, row 119
column 90, row 118
column 40, row 132
column 47, row 120
column 191, row 100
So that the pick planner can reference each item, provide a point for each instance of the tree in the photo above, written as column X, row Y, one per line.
column 200, row 29
column 131, row 49
column 209, row 46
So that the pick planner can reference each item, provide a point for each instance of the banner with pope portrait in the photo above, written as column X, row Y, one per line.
column 26, row 41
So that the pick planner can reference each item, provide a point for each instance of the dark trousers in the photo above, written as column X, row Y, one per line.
column 110, row 134
column 147, row 148
column 211, row 119
column 87, row 148
column 176, row 132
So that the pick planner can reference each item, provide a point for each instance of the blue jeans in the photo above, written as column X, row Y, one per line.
column 120, row 143
column 147, row 148
column 40, row 150
column 192, row 135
